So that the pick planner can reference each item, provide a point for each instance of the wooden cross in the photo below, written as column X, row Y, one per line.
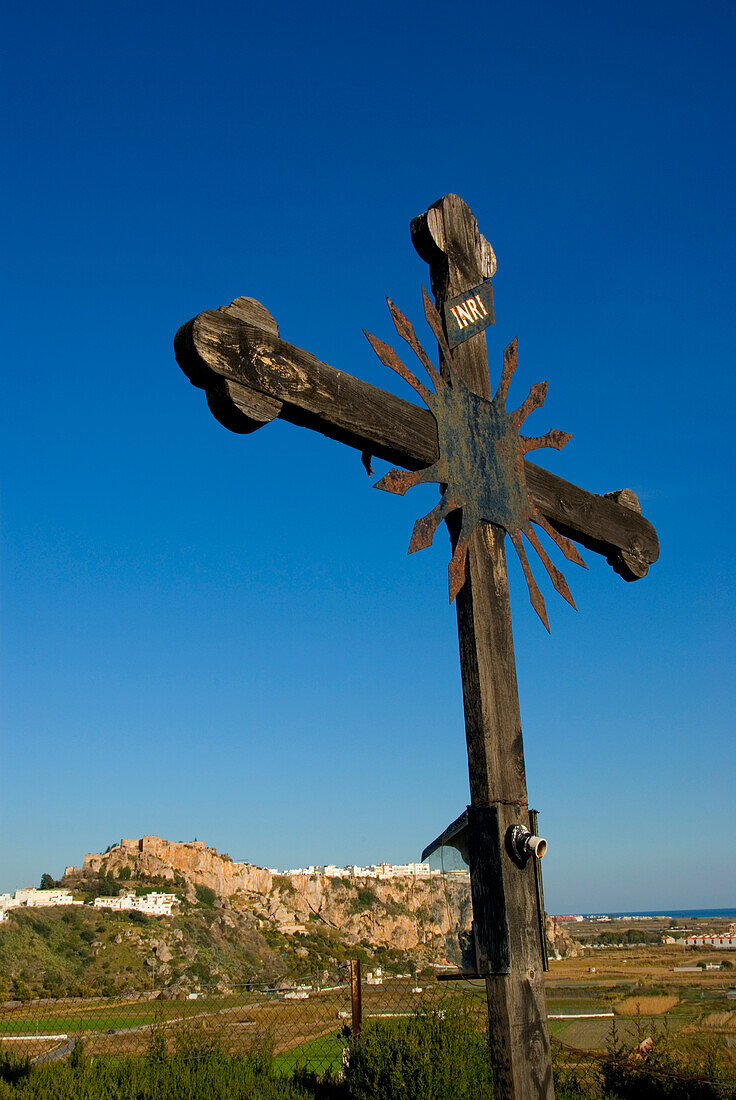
column 251, row 376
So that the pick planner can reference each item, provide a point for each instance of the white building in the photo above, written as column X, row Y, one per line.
column 36, row 899
column 401, row 870
column 711, row 939
column 374, row 870
column 154, row 904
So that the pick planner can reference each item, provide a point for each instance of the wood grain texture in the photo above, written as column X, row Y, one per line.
column 235, row 361
column 629, row 564
column 490, row 919
column 237, row 406
column 448, row 237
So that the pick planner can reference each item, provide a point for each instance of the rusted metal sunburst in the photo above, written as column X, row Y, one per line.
column 481, row 459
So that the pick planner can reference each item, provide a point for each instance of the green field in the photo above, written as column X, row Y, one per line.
column 324, row 1053
column 308, row 1031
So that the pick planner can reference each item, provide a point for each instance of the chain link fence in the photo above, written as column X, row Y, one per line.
column 302, row 1024
column 305, row 1026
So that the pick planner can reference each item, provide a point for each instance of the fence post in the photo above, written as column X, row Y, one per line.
column 356, row 996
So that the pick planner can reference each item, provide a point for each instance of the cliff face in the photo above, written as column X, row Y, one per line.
column 405, row 914
column 423, row 917
column 151, row 856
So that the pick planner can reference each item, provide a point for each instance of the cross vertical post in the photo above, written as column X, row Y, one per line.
column 447, row 237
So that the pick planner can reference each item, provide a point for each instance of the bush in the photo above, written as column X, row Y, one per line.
column 205, row 896
column 20, row 991
column 665, row 1074
column 13, row 1067
column 363, row 901
column 213, row 1075
column 439, row 1056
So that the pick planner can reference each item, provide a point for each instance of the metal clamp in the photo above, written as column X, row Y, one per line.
column 521, row 845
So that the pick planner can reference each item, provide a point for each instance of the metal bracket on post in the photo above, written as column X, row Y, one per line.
column 476, row 835
column 533, row 815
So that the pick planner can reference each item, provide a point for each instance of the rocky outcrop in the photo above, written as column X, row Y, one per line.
column 404, row 913
column 424, row 917
column 152, row 857
column 560, row 943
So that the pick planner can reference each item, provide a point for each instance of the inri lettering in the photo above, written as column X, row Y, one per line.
column 470, row 311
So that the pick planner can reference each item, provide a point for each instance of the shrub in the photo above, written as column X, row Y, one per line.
column 214, row 1075
column 20, row 991
column 364, row 900
column 157, row 1052
column 205, row 896
column 13, row 1067
column 282, row 883
column 664, row 1073
column 438, row 1056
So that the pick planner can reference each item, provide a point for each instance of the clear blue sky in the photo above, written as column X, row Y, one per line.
column 223, row 637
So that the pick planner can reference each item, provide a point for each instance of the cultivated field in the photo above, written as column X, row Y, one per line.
column 296, row 1030
column 608, row 995
column 644, row 991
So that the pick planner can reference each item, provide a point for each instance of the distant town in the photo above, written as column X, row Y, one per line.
column 158, row 904
column 154, row 904
column 374, row 870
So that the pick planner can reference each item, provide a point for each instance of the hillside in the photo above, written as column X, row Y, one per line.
column 236, row 923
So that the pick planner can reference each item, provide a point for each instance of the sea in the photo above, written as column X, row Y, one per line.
column 679, row 914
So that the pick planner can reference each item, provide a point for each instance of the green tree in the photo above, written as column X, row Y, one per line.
column 20, row 991
column 47, row 882
column 205, row 896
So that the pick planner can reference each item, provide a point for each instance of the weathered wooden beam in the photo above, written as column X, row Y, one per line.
column 241, row 408
column 459, row 258
column 251, row 376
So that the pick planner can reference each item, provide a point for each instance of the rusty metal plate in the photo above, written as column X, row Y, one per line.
column 481, row 459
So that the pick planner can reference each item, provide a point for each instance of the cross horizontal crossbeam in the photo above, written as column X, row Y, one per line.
column 252, row 376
